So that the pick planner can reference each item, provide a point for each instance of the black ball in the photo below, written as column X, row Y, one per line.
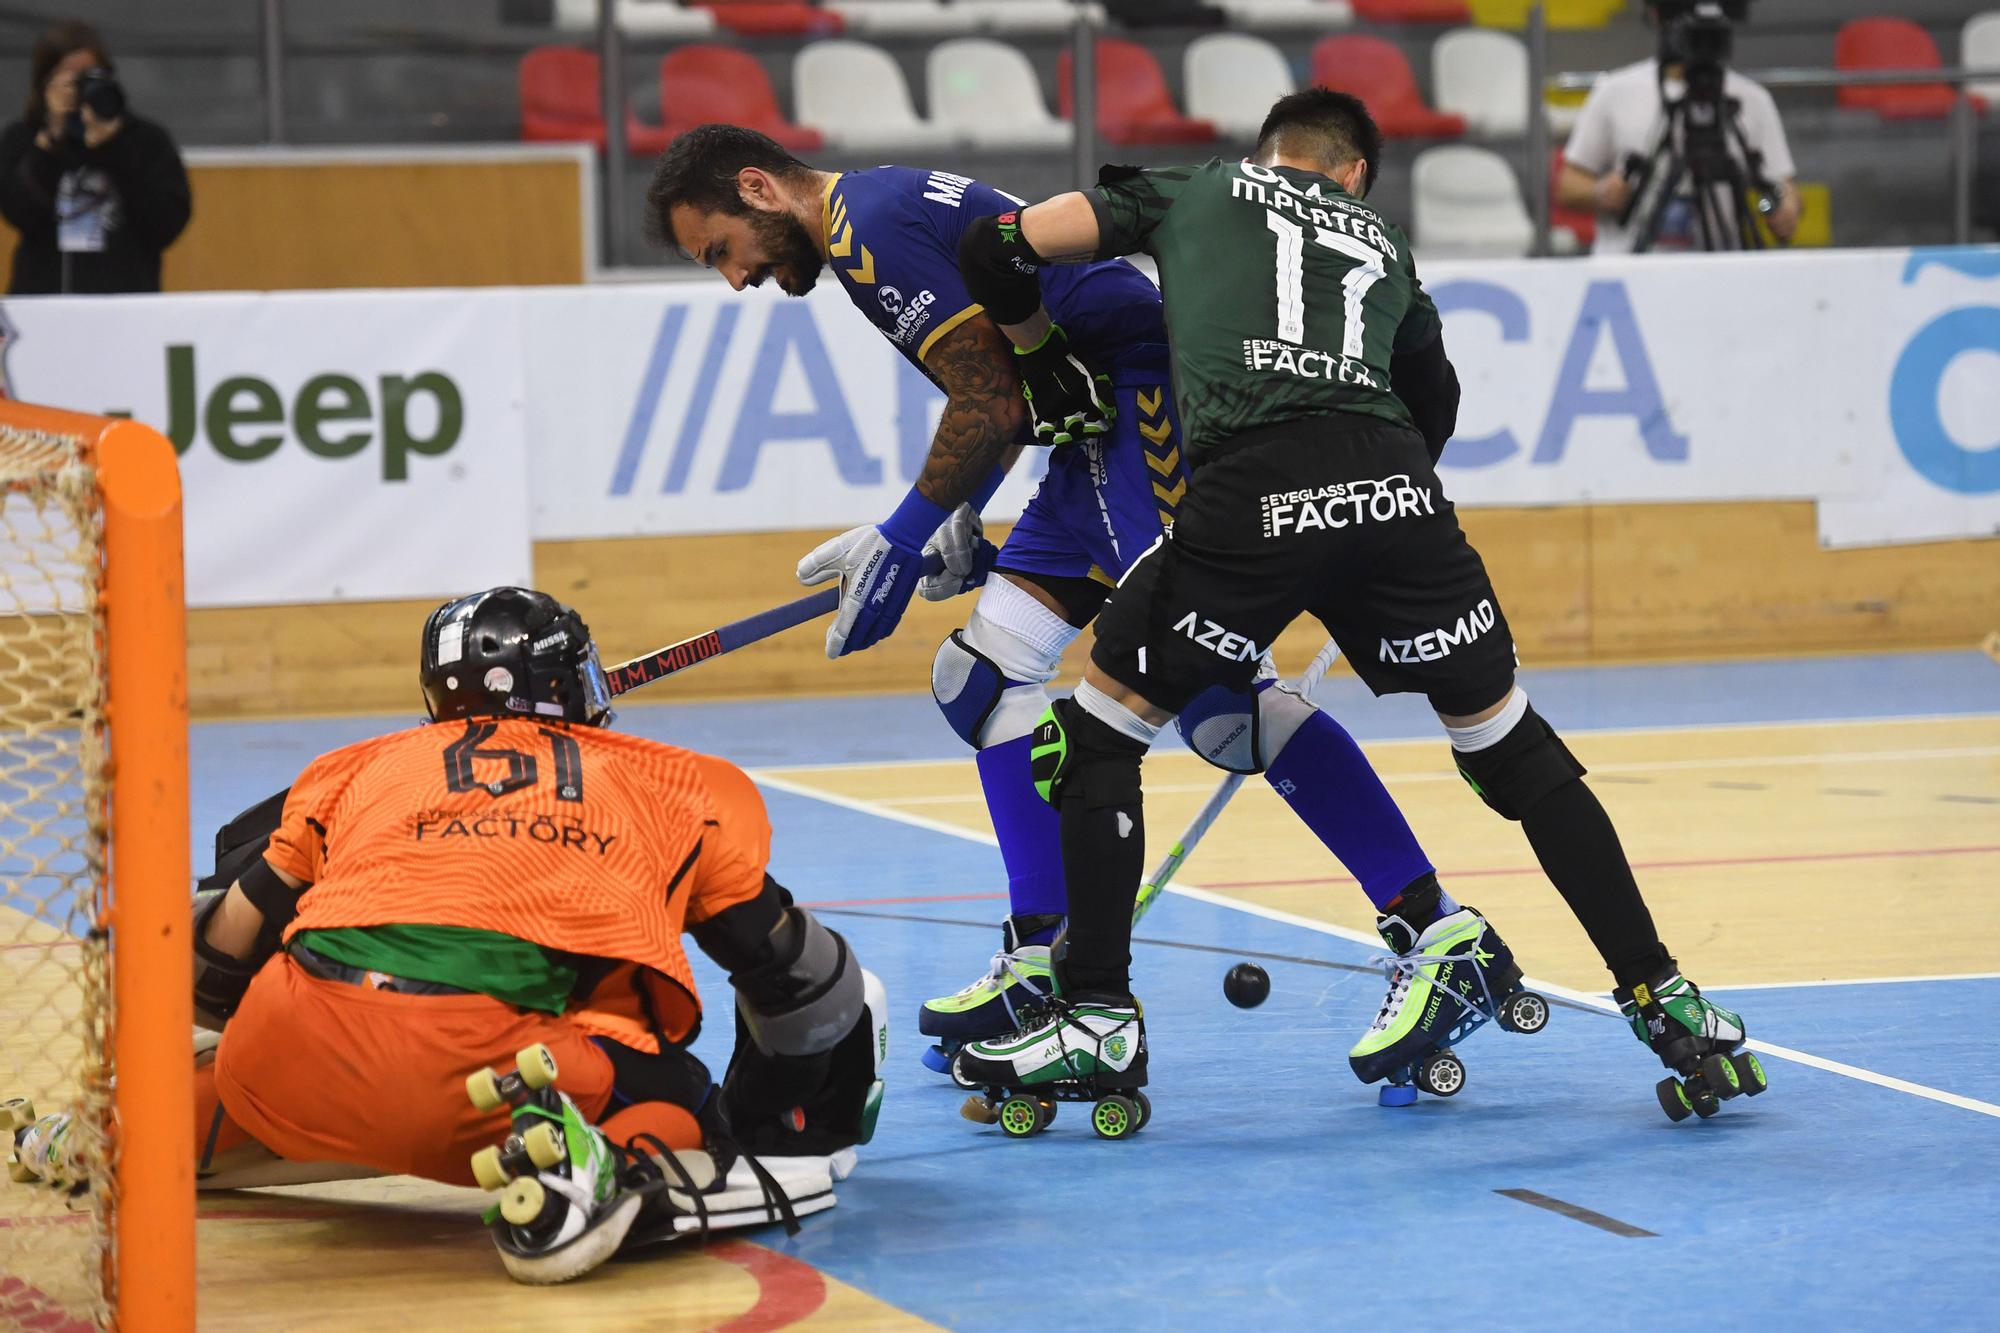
column 1247, row 985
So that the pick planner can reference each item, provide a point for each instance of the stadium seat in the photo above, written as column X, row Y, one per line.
column 1467, row 204
column 562, row 100
column 1891, row 43
column 766, row 18
column 1564, row 14
column 1318, row 15
column 854, row 94
column 1412, row 11
column 702, row 83
column 1979, row 48
column 1572, row 231
column 639, row 18
column 899, row 18
column 1232, row 79
column 987, row 92
column 1133, row 105
column 1375, row 71
column 1482, row 75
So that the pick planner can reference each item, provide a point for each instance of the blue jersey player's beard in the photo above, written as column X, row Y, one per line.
column 791, row 248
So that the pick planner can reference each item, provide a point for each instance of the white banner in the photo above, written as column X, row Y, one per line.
column 334, row 446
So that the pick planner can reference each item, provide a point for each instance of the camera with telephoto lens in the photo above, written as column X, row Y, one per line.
column 1696, row 34
column 98, row 88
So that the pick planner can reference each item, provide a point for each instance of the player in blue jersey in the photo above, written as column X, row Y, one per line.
column 734, row 200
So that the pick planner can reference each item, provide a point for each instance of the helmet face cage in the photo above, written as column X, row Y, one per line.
column 512, row 651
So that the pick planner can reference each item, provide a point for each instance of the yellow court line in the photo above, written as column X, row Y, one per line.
column 1582, row 998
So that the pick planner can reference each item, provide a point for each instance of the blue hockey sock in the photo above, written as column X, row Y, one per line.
column 1322, row 774
column 1029, row 830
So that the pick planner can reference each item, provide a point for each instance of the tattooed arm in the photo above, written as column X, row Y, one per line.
column 984, row 418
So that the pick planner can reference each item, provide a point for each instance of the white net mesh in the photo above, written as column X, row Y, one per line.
column 55, row 999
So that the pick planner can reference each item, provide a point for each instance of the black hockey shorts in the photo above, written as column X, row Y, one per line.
column 1340, row 517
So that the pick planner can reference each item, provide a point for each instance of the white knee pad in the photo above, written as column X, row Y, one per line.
column 1244, row 731
column 988, row 678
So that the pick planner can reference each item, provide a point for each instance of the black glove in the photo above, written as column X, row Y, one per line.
column 1066, row 398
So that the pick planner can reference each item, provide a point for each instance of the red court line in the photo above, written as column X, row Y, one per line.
column 29, row 1307
column 1885, row 853
column 885, row 902
column 787, row 1289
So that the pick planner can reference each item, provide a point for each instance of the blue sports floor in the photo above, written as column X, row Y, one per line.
column 1269, row 1189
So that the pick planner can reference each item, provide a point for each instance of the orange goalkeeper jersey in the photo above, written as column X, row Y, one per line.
column 579, row 839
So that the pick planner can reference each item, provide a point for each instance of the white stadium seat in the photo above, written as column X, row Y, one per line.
column 899, row 18
column 1318, row 15
column 1232, row 79
column 1980, row 49
column 854, row 94
column 641, row 18
column 1482, row 75
column 987, row 92
column 1467, row 204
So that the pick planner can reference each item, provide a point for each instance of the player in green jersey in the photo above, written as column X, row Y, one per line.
column 1316, row 398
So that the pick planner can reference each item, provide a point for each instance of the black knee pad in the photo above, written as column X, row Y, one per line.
column 1076, row 756
column 674, row 1075
column 1525, row 765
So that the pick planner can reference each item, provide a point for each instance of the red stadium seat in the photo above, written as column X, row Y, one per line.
column 1133, row 105
column 1413, row 11
column 764, row 18
column 1891, row 43
column 562, row 100
column 1377, row 72
column 702, row 84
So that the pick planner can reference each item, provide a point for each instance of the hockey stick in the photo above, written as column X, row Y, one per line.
column 1184, row 846
column 677, row 657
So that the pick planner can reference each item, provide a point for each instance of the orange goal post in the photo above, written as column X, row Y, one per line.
column 96, row 1009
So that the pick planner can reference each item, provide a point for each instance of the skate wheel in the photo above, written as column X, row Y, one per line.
column 979, row 1111
column 936, row 1060
column 1115, row 1117
column 1145, row 1105
column 482, row 1089
column 1048, row 1112
column 536, row 1065
column 523, row 1201
column 1673, row 1099
column 1395, row 1094
column 1705, row 1102
column 1750, row 1072
column 487, row 1170
column 16, row 1113
column 1021, row 1117
column 20, row 1172
column 958, row 1074
column 1441, row 1075
column 1524, row 1011
column 1719, row 1073
column 545, row 1145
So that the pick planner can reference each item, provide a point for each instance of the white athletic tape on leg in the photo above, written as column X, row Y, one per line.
column 1493, row 730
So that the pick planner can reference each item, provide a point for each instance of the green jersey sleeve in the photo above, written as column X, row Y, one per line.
column 1131, row 204
column 1420, row 322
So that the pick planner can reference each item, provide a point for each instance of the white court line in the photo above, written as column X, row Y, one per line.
column 1583, row 998
column 1853, row 981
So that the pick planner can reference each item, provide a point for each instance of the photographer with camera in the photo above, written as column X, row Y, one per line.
column 96, row 192
column 1674, row 151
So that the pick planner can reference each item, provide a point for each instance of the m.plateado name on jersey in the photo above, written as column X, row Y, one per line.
column 1433, row 644
column 1267, row 189
column 1344, row 504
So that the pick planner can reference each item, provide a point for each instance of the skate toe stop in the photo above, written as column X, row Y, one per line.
column 1394, row 1095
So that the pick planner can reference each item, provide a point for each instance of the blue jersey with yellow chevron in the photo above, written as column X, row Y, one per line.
column 892, row 236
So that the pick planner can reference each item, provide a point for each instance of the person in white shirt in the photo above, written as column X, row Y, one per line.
column 1624, row 116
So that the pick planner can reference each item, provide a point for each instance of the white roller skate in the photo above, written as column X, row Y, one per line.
column 1444, row 985
column 43, row 1151
column 1696, row 1038
column 1067, row 1050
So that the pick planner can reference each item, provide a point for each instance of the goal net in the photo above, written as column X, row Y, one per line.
column 93, row 868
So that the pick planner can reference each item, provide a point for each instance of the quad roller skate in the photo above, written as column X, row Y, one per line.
column 1444, row 985
column 41, row 1147
column 1696, row 1038
column 567, row 1196
column 1066, row 1050
column 993, row 1005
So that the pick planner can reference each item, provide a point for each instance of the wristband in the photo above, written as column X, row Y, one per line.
column 914, row 521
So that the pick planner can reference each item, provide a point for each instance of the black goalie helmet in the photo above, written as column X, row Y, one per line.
column 512, row 650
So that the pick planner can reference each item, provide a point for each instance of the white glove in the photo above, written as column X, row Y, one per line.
column 877, row 577
column 968, row 557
